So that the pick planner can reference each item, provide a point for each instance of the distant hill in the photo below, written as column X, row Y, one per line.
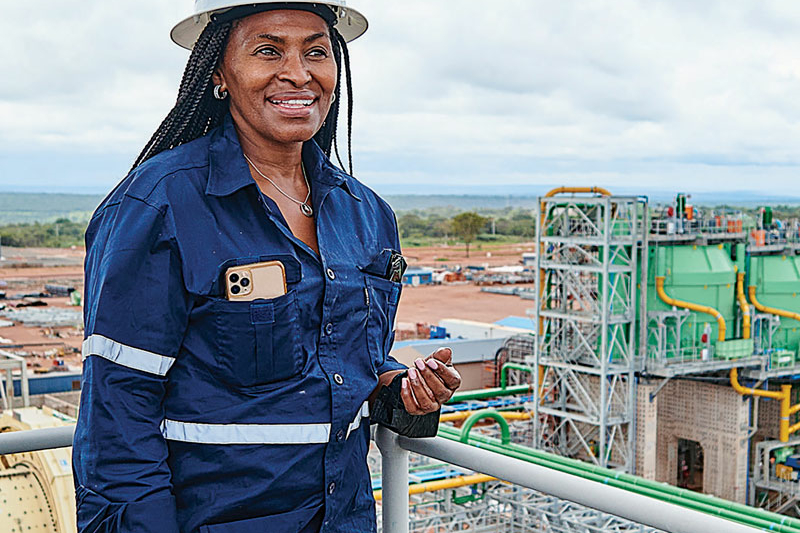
column 48, row 207
column 459, row 202
column 44, row 207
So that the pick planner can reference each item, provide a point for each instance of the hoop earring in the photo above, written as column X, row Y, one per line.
column 333, row 97
column 219, row 94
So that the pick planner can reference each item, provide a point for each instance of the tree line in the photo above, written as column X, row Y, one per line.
column 59, row 234
column 421, row 227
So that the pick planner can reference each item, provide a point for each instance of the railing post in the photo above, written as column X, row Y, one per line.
column 394, row 482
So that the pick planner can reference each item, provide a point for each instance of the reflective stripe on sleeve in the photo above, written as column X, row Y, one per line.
column 246, row 433
column 127, row 356
column 255, row 433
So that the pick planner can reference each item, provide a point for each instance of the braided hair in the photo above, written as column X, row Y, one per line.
column 196, row 111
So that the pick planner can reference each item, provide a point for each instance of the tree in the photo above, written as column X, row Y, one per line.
column 467, row 226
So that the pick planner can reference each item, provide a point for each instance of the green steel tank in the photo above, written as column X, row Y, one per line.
column 703, row 275
column 776, row 279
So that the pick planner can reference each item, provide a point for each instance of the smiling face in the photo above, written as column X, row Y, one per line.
column 279, row 69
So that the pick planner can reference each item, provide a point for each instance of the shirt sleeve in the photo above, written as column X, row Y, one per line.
column 391, row 363
column 135, row 312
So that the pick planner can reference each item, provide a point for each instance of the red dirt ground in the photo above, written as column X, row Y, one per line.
column 429, row 304
column 28, row 270
column 488, row 255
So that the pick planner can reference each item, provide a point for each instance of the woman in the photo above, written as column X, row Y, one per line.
column 204, row 413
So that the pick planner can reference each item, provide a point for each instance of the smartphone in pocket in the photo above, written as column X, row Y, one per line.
column 245, row 283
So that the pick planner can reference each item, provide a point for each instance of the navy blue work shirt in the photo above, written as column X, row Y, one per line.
column 204, row 415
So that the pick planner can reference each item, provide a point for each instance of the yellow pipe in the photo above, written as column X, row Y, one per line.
column 442, row 484
column 567, row 190
column 785, row 394
column 743, row 305
column 785, row 397
column 771, row 310
column 463, row 415
column 744, row 391
column 694, row 307
column 786, row 406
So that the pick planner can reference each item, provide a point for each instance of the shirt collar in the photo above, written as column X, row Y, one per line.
column 228, row 170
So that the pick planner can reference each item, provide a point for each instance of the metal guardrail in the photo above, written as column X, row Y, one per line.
column 611, row 500
column 34, row 440
column 395, row 451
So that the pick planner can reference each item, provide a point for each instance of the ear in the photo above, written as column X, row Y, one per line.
column 218, row 78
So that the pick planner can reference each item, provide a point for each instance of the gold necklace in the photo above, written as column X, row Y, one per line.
column 305, row 207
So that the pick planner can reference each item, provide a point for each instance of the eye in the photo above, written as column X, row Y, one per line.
column 318, row 53
column 267, row 51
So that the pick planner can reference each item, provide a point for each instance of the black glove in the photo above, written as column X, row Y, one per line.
column 389, row 411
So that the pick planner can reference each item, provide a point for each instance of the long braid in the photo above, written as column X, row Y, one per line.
column 349, row 80
column 338, row 48
column 196, row 111
column 327, row 133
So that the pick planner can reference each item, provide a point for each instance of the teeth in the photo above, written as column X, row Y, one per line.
column 293, row 102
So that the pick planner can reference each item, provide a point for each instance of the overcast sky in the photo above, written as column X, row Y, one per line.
column 450, row 96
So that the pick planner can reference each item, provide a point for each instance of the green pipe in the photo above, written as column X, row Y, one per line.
column 628, row 478
column 482, row 394
column 505, row 433
column 764, row 524
column 510, row 366
column 610, row 480
column 635, row 480
column 708, row 504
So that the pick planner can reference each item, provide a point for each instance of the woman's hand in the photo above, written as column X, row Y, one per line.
column 430, row 383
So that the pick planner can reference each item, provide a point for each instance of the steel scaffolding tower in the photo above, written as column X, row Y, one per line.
column 586, row 274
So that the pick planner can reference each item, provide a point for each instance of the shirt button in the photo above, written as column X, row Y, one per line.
column 328, row 328
column 340, row 435
column 330, row 274
column 338, row 379
column 331, row 487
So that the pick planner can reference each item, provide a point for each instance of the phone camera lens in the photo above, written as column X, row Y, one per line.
column 236, row 289
column 234, row 278
column 245, row 282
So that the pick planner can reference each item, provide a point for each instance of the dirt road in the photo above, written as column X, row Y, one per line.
column 429, row 304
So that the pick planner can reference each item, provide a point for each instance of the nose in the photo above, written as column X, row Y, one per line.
column 295, row 70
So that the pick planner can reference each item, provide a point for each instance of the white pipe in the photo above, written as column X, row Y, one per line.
column 618, row 502
column 394, row 482
column 36, row 439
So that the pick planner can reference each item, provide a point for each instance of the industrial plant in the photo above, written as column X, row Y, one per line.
column 658, row 356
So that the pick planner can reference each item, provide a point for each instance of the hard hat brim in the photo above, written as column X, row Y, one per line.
column 349, row 23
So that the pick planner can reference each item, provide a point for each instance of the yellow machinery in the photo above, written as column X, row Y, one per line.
column 36, row 492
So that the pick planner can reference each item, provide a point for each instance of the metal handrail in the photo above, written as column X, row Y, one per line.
column 34, row 440
column 394, row 456
column 641, row 509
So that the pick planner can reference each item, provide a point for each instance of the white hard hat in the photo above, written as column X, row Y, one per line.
column 349, row 22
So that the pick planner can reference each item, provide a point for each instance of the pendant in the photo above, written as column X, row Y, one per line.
column 306, row 210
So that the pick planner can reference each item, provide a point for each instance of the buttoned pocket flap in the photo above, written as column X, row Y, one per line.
column 379, row 264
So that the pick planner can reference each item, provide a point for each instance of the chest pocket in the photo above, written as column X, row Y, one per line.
column 258, row 342
column 381, row 297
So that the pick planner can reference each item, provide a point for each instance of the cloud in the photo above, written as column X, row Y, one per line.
column 615, row 91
